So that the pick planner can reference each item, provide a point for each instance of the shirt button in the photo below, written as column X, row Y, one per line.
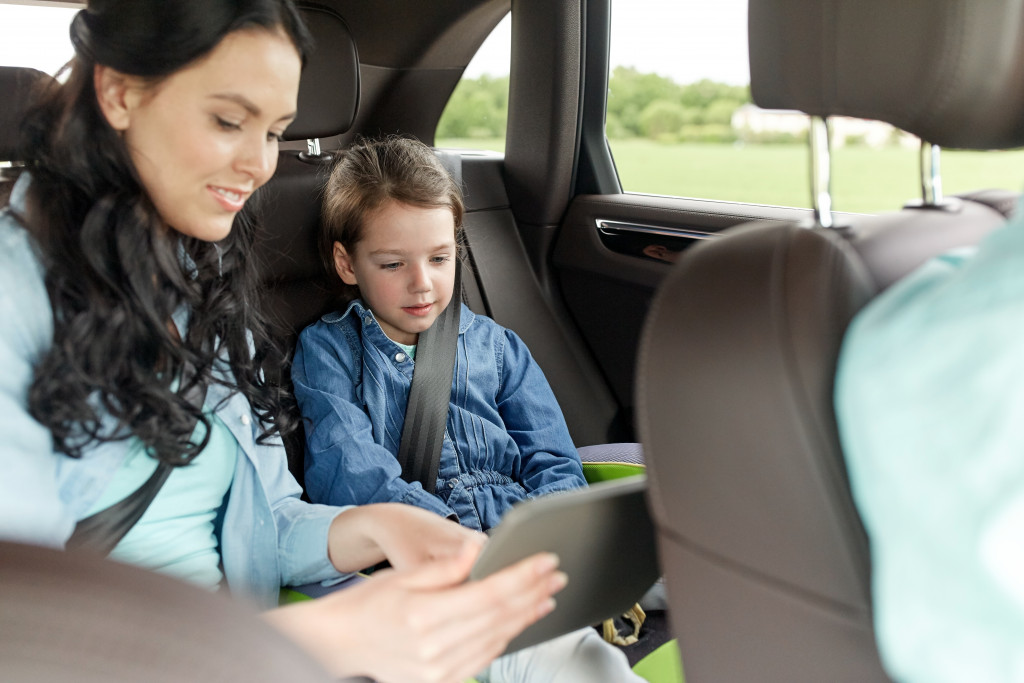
column 400, row 357
column 245, row 419
column 367, row 320
column 452, row 483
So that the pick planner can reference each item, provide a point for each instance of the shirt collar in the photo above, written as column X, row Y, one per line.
column 362, row 313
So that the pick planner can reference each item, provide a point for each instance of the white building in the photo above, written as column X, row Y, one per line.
column 751, row 122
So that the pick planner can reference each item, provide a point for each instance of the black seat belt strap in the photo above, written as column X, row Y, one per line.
column 102, row 531
column 426, row 413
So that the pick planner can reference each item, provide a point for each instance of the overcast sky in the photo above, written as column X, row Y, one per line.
column 685, row 40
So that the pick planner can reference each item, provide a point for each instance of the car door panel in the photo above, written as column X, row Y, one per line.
column 607, row 280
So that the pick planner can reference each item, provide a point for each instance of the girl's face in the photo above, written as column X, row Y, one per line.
column 404, row 266
column 204, row 138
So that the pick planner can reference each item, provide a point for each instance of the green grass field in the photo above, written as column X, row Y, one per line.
column 863, row 179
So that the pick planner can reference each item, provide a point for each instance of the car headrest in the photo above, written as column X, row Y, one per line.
column 950, row 72
column 329, row 89
column 18, row 87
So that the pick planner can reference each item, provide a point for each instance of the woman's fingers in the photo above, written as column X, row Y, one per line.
column 442, row 573
column 475, row 621
column 425, row 625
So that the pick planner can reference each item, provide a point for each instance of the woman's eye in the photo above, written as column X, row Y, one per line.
column 227, row 125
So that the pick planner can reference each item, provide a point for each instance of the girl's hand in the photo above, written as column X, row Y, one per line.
column 426, row 624
column 405, row 535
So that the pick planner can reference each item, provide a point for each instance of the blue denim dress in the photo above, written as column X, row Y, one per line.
column 505, row 438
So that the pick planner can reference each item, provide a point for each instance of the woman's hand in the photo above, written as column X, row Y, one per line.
column 425, row 624
column 405, row 535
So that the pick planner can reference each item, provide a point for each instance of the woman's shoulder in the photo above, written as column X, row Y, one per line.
column 23, row 297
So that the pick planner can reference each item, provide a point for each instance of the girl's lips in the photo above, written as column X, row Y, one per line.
column 418, row 310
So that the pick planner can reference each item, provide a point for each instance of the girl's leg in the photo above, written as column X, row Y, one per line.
column 578, row 657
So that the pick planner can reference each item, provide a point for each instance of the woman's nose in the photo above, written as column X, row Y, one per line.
column 258, row 161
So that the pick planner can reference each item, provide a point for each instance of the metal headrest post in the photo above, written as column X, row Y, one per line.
column 313, row 153
column 821, row 171
column 931, row 176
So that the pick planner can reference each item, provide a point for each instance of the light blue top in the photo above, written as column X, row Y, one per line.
column 176, row 535
column 268, row 537
column 930, row 402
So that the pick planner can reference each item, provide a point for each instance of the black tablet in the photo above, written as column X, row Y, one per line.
column 604, row 538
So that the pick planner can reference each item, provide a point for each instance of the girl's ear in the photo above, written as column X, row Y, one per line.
column 343, row 264
column 117, row 95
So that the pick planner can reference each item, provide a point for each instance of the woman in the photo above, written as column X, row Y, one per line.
column 125, row 282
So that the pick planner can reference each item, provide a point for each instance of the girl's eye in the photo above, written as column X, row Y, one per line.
column 227, row 125
column 390, row 266
column 274, row 137
column 440, row 259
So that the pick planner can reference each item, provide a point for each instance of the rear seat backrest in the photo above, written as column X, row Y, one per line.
column 297, row 290
column 18, row 85
column 766, row 560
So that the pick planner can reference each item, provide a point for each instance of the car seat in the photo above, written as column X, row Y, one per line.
column 766, row 560
column 18, row 85
column 499, row 282
column 75, row 616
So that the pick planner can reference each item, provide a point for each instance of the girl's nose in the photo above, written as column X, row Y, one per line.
column 420, row 281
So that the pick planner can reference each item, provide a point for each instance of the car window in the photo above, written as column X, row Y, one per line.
column 680, row 122
column 477, row 111
column 35, row 36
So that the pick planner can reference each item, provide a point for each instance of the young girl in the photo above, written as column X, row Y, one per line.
column 392, row 217
column 125, row 277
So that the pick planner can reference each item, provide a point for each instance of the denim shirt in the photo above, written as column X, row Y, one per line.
column 268, row 537
column 505, row 437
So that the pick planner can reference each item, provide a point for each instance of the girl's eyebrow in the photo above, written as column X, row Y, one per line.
column 402, row 252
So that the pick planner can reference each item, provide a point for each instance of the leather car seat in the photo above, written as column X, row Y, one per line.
column 297, row 290
column 19, row 86
column 766, row 560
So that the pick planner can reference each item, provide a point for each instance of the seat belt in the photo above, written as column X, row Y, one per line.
column 426, row 414
column 102, row 531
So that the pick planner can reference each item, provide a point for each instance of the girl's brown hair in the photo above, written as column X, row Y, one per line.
column 375, row 172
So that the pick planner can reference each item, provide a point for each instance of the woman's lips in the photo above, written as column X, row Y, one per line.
column 230, row 200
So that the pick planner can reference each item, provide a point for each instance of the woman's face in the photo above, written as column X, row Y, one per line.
column 204, row 138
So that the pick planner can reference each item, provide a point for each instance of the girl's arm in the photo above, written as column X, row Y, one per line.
column 344, row 464
column 404, row 535
column 534, row 421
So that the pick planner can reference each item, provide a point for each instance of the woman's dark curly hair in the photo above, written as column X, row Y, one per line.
column 115, row 275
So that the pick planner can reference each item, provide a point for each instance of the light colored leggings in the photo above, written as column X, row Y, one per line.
column 581, row 656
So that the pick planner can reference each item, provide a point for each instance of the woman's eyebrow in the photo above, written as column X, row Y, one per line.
column 247, row 104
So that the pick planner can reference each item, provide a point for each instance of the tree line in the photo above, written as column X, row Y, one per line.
column 640, row 105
